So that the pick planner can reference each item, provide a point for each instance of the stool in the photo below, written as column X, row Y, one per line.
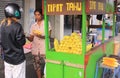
column 108, row 72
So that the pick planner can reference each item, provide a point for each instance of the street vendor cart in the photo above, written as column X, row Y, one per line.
column 73, row 64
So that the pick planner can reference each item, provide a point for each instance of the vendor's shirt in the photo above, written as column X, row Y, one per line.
column 38, row 44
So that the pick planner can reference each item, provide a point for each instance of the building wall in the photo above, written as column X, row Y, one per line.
column 28, row 14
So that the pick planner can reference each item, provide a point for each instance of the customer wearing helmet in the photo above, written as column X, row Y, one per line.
column 12, row 41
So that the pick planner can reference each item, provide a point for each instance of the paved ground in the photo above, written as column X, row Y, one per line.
column 30, row 72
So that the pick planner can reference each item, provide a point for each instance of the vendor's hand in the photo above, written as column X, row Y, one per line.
column 35, row 34
column 30, row 37
column 40, row 36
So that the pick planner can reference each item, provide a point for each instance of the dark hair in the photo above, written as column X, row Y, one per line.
column 38, row 10
column 99, row 17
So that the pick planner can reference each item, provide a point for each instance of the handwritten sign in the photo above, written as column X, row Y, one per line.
column 66, row 7
column 71, row 7
column 95, row 6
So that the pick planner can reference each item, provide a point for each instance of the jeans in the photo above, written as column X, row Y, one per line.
column 117, row 72
column 117, row 27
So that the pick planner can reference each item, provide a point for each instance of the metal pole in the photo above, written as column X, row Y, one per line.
column 46, row 27
column 114, row 11
column 113, row 27
column 83, row 27
column 103, row 30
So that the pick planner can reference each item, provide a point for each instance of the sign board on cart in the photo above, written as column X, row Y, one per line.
column 66, row 7
column 71, row 7
column 95, row 6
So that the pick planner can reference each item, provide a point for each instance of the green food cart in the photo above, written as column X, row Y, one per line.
column 66, row 65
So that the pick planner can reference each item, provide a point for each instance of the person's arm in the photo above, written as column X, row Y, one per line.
column 1, row 23
column 40, row 36
column 20, row 37
column 50, row 33
column 30, row 37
